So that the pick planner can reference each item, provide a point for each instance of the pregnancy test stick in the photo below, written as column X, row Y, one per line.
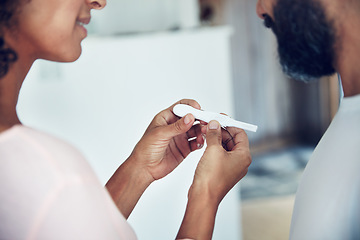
column 182, row 109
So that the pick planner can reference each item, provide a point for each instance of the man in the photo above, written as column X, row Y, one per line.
column 318, row 38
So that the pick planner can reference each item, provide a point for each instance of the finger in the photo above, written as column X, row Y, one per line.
column 227, row 138
column 179, row 127
column 195, row 145
column 167, row 116
column 196, row 137
column 190, row 102
column 213, row 135
column 201, row 140
column 186, row 145
column 241, row 140
column 204, row 129
column 203, row 122
column 195, row 131
column 182, row 145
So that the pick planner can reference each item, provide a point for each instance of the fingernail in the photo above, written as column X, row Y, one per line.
column 187, row 119
column 213, row 125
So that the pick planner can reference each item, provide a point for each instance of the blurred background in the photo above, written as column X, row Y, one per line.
column 143, row 56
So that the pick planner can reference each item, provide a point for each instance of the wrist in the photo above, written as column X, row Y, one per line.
column 134, row 166
column 127, row 185
column 200, row 214
column 203, row 192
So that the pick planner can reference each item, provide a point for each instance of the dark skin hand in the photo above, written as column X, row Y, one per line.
column 162, row 148
column 165, row 144
column 224, row 163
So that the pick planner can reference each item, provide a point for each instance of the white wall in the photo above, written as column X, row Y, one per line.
column 134, row 16
column 103, row 103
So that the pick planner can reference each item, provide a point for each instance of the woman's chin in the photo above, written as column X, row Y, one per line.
column 70, row 56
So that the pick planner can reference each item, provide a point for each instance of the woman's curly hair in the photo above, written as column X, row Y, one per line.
column 7, row 55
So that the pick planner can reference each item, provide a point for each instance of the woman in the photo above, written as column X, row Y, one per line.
column 48, row 190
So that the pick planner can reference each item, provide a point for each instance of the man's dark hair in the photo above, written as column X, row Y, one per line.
column 7, row 55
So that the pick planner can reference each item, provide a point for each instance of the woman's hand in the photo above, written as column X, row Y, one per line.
column 224, row 163
column 167, row 142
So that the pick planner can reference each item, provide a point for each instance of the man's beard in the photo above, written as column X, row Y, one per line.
column 306, row 39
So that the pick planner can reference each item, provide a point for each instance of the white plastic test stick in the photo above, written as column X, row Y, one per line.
column 182, row 109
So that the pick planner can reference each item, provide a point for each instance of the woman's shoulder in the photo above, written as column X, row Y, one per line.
column 21, row 136
column 35, row 147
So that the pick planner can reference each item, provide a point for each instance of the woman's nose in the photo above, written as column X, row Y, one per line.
column 96, row 4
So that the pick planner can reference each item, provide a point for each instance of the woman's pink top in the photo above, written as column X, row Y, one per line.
column 49, row 191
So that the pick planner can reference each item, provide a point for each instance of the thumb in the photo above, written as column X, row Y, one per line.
column 179, row 127
column 213, row 134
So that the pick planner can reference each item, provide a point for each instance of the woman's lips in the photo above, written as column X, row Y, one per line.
column 81, row 22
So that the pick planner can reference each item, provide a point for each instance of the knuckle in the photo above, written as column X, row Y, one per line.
column 158, row 116
column 187, row 100
column 190, row 102
column 247, row 159
column 242, row 133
